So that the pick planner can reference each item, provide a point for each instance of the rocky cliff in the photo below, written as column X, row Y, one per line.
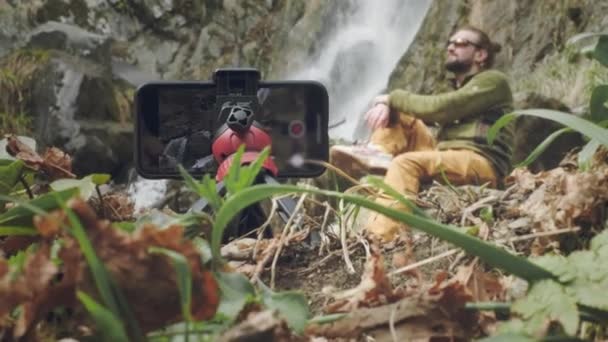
column 69, row 67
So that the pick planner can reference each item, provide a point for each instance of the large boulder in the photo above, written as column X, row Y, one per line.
column 74, row 102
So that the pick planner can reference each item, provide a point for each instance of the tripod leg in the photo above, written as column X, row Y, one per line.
column 287, row 205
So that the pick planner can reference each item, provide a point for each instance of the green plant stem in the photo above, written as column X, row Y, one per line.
column 26, row 186
column 101, row 202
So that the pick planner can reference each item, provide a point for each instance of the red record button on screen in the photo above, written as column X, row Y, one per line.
column 297, row 129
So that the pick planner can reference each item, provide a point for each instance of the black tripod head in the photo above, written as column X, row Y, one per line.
column 237, row 97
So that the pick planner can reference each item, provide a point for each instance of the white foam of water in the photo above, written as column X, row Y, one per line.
column 358, row 56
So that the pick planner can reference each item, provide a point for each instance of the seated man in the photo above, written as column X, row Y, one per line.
column 480, row 97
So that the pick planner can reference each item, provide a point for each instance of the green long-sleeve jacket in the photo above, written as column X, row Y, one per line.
column 465, row 115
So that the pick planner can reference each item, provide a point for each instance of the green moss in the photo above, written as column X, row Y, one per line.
column 17, row 72
column 564, row 76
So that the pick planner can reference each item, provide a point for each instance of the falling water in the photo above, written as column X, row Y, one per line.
column 359, row 55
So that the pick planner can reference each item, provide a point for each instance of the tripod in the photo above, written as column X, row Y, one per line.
column 240, row 128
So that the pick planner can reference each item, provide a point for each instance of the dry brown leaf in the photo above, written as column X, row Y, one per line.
column 21, row 151
column 134, row 269
column 32, row 282
column 55, row 163
column 116, row 206
column 49, row 225
column 261, row 326
column 374, row 289
column 148, row 281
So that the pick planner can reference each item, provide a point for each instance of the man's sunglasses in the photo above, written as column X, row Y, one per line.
column 461, row 42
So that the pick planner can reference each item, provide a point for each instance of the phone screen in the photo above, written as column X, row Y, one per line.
column 177, row 124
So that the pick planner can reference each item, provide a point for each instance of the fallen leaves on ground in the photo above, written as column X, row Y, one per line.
column 374, row 289
column 148, row 281
column 54, row 162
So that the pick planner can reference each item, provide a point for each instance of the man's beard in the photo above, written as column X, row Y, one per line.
column 458, row 67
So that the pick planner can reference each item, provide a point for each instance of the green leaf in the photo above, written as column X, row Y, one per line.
column 291, row 306
column 543, row 146
column 206, row 189
column 601, row 50
column 22, row 213
column 231, row 180
column 108, row 325
column 585, row 156
column 491, row 254
column 582, row 36
column 509, row 337
column 583, row 126
column 9, row 176
column 17, row 230
column 100, row 178
column 591, row 281
column 85, row 185
column 254, row 168
column 406, row 202
column 126, row 226
column 558, row 265
column 487, row 214
column 547, row 301
column 597, row 104
column 184, row 278
column 202, row 246
column 236, row 291
column 600, row 242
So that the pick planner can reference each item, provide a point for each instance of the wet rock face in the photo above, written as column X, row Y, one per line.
column 72, row 40
column 74, row 105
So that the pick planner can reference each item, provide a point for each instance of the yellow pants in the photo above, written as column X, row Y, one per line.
column 415, row 161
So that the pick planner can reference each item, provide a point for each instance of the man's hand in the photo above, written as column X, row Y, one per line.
column 378, row 115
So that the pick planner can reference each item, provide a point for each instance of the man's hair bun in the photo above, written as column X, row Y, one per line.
column 495, row 47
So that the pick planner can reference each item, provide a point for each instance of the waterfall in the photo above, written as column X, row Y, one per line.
column 357, row 58
column 354, row 62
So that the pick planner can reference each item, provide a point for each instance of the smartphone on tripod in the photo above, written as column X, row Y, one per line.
column 177, row 123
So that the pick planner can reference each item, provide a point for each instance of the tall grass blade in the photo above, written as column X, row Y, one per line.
column 9, row 176
column 231, row 180
column 378, row 182
column 583, row 126
column 586, row 154
column 500, row 123
column 491, row 254
column 543, row 146
column 254, row 168
column 17, row 230
column 582, row 36
column 108, row 324
column 24, row 211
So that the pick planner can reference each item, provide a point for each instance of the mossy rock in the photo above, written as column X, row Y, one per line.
column 18, row 73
